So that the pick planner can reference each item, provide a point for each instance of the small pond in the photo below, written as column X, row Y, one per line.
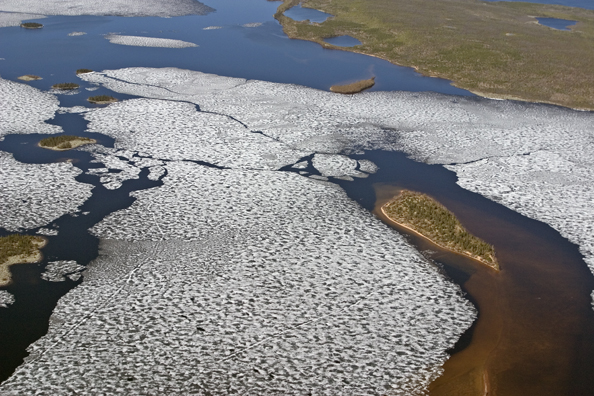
column 555, row 23
column 587, row 4
column 343, row 41
column 299, row 13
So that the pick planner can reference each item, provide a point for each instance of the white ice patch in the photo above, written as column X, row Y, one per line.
column 57, row 271
column 252, row 25
column 6, row 299
column 367, row 166
column 72, row 34
column 432, row 128
column 140, row 41
column 336, row 165
column 248, row 282
column 127, row 8
column 32, row 195
column 15, row 18
column 47, row 231
column 24, row 109
column 212, row 28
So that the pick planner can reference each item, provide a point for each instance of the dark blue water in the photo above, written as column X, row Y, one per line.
column 588, row 4
column 555, row 23
column 263, row 52
column 343, row 41
column 299, row 13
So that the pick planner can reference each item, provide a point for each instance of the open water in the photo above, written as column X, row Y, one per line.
column 260, row 52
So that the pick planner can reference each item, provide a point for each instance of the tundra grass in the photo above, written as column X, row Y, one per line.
column 65, row 86
column 100, row 99
column 355, row 87
column 31, row 25
column 429, row 218
column 494, row 49
column 64, row 142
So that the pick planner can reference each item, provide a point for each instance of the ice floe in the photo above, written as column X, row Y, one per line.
column 15, row 18
column 432, row 128
column 141, row 41
column 232, row 281
column 33, row 195
column 77, row 34
column 127, row 8
column 58, row 271
column 6, row 299
column 24, row 109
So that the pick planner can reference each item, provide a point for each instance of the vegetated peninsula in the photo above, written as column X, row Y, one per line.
column 355, row 87
column 494, row 49
column 18, row 249
column 64, row 142
column 427, row 217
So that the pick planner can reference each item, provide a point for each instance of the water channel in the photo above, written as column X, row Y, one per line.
column 543, row 281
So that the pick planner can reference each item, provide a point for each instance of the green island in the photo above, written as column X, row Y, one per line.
column 65, row 86
column 355, row 87
column 102, row 99
column 29, row 77
column 18, row 249
column 494, row 49
column 64, row 142
column 31, row 25
column 427, row 217
column 83, row 71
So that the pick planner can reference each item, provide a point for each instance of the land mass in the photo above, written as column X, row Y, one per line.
column 355, row 87
column 64, row 142
column 18, row 249
column 493, row 49
column 427, row 217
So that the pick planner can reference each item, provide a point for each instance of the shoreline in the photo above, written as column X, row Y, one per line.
column 434, row 242
column 36, row 257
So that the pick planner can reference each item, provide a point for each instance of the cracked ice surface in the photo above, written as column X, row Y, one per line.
column 15, row 19
column 336, row 165
column 432, row 128
column 24, row 109
column 6, row 299
column 247, row 282
column 57, row 271
column 33, row 195
column 140, row 41
column 127, row 8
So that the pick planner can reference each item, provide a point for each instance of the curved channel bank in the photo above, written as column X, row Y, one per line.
column 535, row 330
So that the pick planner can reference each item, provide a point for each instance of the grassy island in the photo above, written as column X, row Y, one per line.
column 18, row 249
column 355, row 87
column 427, row 217
column 64, row 142
column 83, row 71
column 102, row 99
column 65, row 86
column 494, row 49
column 31, row 25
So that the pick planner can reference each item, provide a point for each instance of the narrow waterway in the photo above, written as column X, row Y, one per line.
column 535, row 330
column 28, row 318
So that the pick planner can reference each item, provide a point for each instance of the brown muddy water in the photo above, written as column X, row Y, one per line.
column 535, row 331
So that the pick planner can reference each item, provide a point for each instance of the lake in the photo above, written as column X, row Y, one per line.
column 248, row 43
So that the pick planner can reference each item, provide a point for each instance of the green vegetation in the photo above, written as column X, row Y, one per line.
column 31, row 25
column 100, row 99
column 495, row 49
column 82, row 71
column 429, row 218
column 16, row 249
column 29, row 77
column 354, row 87
column 64, row 142
column 65, row 86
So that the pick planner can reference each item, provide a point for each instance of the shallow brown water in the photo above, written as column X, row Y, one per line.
column 535, row 330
